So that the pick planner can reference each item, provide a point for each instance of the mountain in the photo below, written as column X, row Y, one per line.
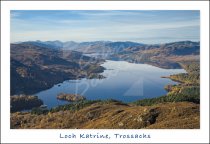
column 41, row 44
column 55, row 43
column 162, row 55
column 85, row 47
column 105, row 46
column 34, row 68
column 166, row 55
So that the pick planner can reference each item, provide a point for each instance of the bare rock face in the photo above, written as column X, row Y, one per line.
column 70, row 97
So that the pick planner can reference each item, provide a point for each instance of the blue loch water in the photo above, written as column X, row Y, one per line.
column 124, row 81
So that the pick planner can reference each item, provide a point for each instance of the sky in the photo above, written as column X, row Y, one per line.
column 149, row 27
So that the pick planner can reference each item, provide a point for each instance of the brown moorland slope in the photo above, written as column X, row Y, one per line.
column 114, row 115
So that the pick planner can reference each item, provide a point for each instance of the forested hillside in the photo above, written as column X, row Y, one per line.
column 187, row 90
column 167, row 55
column 35, row 68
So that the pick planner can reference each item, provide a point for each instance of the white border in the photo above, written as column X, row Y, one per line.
column 52, row 136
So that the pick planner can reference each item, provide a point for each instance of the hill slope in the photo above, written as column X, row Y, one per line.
column 85, row 47
column 114, row 115
column 167, row 55
column 34, row 68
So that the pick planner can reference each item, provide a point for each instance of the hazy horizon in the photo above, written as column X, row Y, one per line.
column 99, row 41
column 142, row 26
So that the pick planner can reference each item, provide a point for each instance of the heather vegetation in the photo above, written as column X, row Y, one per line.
column 113, row 115
column 82, row 104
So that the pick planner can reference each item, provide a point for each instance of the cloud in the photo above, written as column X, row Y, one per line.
column 101, row 25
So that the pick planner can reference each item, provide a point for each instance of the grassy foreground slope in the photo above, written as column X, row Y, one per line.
column 113, row 115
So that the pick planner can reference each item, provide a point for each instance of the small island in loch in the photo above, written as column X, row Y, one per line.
column 70, row 97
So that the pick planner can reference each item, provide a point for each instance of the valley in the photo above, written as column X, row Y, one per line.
column 38, row 66
column 167, row 55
